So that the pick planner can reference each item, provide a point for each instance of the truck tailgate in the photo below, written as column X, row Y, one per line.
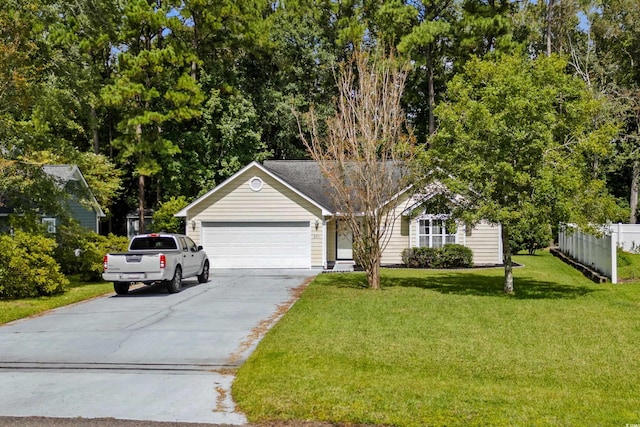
column 134, row 266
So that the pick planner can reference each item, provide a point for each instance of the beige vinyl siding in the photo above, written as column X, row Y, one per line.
column 484, row 241
column 399, row 239
column 237, row 202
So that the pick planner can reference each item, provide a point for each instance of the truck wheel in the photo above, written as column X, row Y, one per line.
column 204, row 276
column 175, row 284
column 121, row 288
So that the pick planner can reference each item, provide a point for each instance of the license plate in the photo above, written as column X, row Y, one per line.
column 133, row 276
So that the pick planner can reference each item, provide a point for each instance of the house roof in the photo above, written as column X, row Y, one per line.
column 63, row 174
column 304, row 175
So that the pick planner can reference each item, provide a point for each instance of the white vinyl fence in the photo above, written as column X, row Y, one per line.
column 626, row 236
column 599, row 253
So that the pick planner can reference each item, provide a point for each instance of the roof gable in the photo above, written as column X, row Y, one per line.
column 277, row 177
column 65, row 174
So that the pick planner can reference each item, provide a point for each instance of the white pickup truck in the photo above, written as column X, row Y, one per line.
column 155, row 258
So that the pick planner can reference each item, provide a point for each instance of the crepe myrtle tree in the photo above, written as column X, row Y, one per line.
column 364, row 151
column 519, row 135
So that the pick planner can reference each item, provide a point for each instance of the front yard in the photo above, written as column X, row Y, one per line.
column 449, row 348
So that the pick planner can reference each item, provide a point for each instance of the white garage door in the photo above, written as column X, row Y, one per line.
column 257, row 244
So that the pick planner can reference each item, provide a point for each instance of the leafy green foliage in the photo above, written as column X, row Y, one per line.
column 81, row 252
column 229, row 130
column 531, row 234
column 448, row 256
column 26, row 267
column 518, row 136
column 164, row 219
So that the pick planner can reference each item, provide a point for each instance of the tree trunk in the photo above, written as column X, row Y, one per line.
column 431, row 90
column 373, row 274
column 633, row 197
column 508, row 263
column 549, row 25
column 94, row 130
column 140, row 188
column 141, row 229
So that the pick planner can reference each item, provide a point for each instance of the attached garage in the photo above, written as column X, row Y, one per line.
column 254, row 244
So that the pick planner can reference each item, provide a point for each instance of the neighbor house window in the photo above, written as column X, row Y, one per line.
column 49, row 224
column 432, row 232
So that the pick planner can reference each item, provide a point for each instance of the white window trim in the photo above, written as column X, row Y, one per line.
column 430, row 217
column 50, row 223
column 256, row 183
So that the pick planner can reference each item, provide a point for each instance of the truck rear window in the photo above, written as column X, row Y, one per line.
column 143, row 243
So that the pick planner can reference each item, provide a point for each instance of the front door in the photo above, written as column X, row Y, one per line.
column 345, row 241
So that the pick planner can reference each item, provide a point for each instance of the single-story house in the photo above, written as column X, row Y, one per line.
column 279, row 215
column 70, row 179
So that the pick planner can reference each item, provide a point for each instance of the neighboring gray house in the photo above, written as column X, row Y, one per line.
column 70, row 179
column 279, row 215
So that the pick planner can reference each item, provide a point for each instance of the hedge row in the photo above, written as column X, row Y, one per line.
column 33, row 264
column 448, row 256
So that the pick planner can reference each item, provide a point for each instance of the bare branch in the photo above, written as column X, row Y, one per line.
column 366, row 152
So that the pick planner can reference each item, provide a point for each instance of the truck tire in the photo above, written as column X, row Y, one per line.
column 121, row 288
column 203, row 277
column 174, row 285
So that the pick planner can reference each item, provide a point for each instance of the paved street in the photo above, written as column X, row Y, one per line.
column 149, row 355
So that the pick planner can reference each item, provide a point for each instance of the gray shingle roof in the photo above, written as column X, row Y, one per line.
column 305, row 176
column 61, row 173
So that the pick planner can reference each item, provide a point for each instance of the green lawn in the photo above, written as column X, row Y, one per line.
column 628, row 266
column 77, row 291
column 449, row 348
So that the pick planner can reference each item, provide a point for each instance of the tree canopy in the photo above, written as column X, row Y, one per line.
column 195, row 89
column 517, row 139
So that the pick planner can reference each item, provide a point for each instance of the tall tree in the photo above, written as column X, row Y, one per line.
column 617, row 40
column 85, row 37
column 485, row 26
column 365, row 153
column 516, row 136
column 428, row 44
column 153, row 87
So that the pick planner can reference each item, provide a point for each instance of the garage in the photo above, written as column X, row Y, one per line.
column 257, row 244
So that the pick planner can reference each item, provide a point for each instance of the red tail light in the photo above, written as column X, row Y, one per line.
column 105, row 262
column 163, row 261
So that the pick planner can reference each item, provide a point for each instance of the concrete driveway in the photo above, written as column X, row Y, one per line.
column 148, row 355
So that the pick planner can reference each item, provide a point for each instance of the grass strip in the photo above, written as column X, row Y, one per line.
column 449, row 348
column 11, row 310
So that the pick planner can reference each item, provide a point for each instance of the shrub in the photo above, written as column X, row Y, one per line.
column 26, row 267
column 449, row 256
column 93, row 251
column 455, row 256
column 164, row 219
column 81, row 251
column 530, row 235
